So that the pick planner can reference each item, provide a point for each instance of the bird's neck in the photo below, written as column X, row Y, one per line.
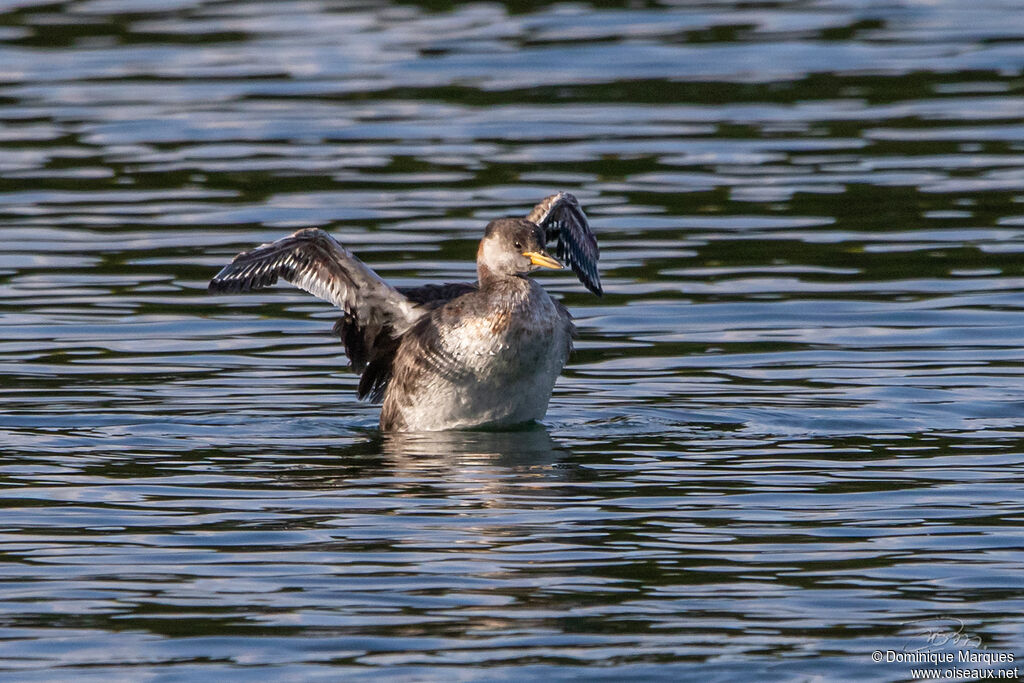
column 484, row 275
column 488, row 279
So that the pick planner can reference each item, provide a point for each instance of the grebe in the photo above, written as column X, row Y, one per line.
column 449, row 356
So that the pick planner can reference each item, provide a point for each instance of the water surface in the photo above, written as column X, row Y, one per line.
column 791, row 433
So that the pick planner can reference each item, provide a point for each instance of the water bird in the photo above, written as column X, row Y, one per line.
column 445, row 356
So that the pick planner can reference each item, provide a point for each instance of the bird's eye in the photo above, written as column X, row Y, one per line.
column 517, row 245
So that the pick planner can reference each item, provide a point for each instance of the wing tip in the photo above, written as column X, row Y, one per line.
column 562, row 218
column 221, row 282
column 232, row 281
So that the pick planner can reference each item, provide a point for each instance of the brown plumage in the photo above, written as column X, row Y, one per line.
column 444, row 356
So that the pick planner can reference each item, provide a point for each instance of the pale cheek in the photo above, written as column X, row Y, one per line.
column 495, row 255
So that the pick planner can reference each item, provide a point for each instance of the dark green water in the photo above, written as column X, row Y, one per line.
column 792, row 433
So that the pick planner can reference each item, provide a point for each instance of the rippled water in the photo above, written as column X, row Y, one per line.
column 791, row 433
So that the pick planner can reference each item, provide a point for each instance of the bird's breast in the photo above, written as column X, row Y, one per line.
column 509, row 336
column 500, row 363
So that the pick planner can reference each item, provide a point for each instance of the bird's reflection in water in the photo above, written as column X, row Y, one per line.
column 481, row 469
column 438, row 462
column 523, row 448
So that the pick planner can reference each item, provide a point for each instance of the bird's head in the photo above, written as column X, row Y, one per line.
column 513, row 246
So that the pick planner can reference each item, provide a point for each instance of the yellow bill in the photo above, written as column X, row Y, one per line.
column 543, row 260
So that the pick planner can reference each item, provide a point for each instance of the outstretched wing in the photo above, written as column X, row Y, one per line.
column 562, row 218
column 313, row 261
column 375, row 312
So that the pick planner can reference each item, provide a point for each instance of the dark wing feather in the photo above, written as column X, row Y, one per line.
column 562, row 219
column 375, row 312
column 432, row 296
column 313, row 261
column 379, row 371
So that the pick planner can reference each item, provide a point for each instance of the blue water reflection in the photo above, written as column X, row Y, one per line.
column 789, row 436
